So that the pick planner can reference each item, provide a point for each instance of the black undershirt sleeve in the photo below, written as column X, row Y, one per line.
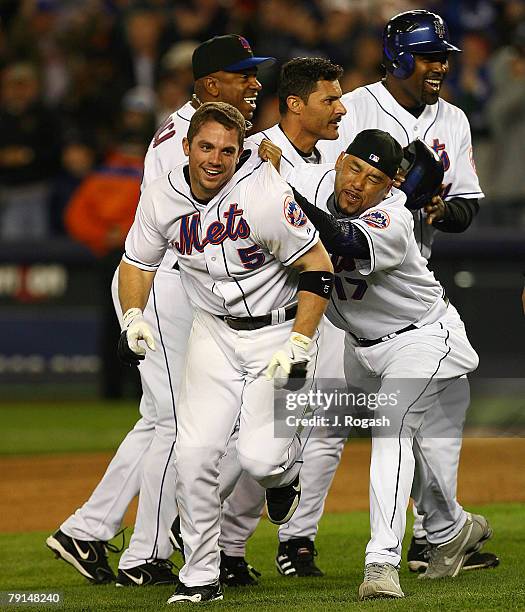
column 459, row 214
column 339, row 236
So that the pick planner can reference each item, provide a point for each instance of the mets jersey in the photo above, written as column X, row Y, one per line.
column 291, row 157
column 443, row 126
column 394, row 288
column 164, row 153
column 235, row 251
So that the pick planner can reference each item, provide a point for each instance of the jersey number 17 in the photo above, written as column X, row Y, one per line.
column 347, row 264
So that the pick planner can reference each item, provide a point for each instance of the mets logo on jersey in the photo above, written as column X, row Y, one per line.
column 377, row 218
column 294, row 213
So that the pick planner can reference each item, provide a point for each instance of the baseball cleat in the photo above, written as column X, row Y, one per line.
column 381, row 580
column 197, row 594
column 175, row 536
column 89, row 557
column 295, row 557
column 418, row 554
column 281, row 502
column 235, row 572
column 155, row 573
column 480, row 560
column 448, row 558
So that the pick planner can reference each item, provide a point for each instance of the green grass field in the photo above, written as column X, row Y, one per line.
column 65, row 426
column 28, row 565
column 87, row 426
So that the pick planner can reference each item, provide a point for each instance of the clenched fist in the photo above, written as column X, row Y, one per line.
column 290, row 364
column 135, row 328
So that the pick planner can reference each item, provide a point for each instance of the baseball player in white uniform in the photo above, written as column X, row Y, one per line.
column 240, row 240
column 224, row 69
column 407, row 105
column 403, row 334
column 310, row 110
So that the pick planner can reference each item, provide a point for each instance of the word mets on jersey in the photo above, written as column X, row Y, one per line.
column 230, row 250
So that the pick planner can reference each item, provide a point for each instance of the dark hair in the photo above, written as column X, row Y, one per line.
column 299, row 78
column 221, row 112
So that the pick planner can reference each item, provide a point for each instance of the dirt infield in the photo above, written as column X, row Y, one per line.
column 39, row 492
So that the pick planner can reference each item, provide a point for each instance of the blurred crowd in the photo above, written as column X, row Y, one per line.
column 83, row 84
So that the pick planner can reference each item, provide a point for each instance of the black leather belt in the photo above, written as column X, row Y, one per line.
column 251, row 323
column 365, row 342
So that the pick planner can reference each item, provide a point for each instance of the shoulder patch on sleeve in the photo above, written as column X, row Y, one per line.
column 377, row 218
column 293, row 213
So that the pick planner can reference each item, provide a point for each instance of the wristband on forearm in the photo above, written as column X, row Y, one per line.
column 320, row 283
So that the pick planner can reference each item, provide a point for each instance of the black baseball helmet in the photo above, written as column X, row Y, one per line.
column 413, row 32
column 423, row 174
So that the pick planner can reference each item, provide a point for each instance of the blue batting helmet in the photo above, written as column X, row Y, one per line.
column 413, row 32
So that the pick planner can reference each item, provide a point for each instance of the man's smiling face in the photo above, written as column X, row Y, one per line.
column 424, row 84
column 213, row 155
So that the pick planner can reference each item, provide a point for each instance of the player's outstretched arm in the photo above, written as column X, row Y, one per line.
column 316, row 280
column 134, row 287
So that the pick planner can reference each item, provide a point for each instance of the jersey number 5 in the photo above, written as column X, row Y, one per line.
column 358, row 293
column 251, row 257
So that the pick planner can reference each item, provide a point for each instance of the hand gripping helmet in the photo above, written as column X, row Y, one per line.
column 413, row 32
column 423, row 174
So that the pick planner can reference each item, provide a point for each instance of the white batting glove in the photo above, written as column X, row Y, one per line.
column 290, row 363
column 137, row 329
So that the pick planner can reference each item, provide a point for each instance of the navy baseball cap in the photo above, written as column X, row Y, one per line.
column 378, row 149
column 230, row 53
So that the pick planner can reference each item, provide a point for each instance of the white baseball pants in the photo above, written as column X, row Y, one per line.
column 145, row 459
column 419, row 367
column 224, row 384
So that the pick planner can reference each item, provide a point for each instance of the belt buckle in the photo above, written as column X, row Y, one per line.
column 389, row 336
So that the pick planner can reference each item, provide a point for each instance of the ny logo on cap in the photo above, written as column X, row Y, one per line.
column 374, row 158
column 245, row 43
column 439, row 26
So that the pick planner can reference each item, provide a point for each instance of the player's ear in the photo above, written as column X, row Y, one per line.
column 294, row 104
column 339, row 161
column 239, row 154
column 186, row 146
column 212, row 86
